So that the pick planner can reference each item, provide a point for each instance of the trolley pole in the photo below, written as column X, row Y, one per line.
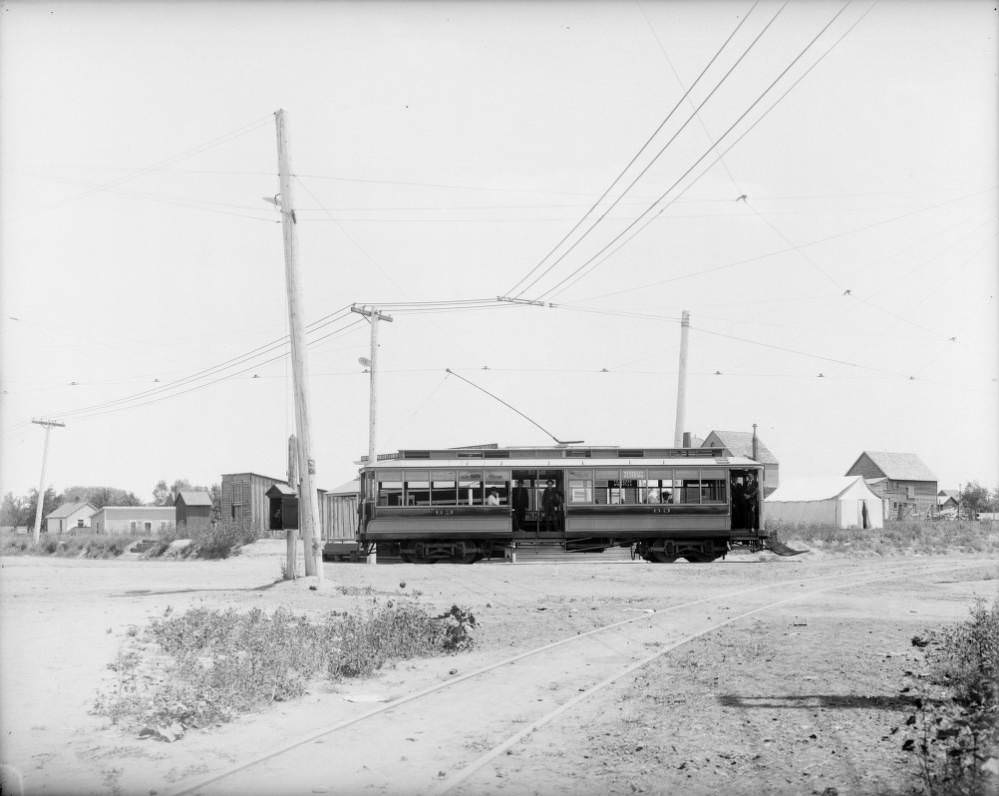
column 48, row 424
column 681, row 382
column 291, row 558
column 308, row 499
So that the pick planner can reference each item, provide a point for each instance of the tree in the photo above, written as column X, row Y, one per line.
column 13, row 511
column 974, row 498
column 101, row 496
column 50, row 502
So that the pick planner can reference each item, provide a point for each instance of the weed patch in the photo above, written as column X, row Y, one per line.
column 925, row 537
column 68, row 545
column 207, row 666
column 954, row 731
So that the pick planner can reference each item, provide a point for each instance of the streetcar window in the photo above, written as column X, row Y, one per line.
column 390, row 488
column 580, row 486
column 713, row 489
column 630, row 484
column 658, row 487
column 417, row 488
column 687, row 486
column 607, row 490
column 498, row 481
column 444, row 490
column 470, row 488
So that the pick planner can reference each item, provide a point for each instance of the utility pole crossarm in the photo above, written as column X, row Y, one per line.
column 372, row 313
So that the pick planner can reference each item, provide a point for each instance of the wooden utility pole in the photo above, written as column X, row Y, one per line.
column 291, row 563
column 681, row 382
column 373, row 317
column 48, row 424
column 308, row 499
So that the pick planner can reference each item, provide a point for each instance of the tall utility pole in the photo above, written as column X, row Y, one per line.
column 681, row 382
column 48, row 424
column 291, row 560
column 373, row 316
column 308, row 499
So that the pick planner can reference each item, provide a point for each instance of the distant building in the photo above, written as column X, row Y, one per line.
column 193, row 510
column 338, row 512
column 901, row 479
column 244, row 500
column 948, row 502
column 838, row 500
column 70, row 516
column 135, row 520
column 740, row 443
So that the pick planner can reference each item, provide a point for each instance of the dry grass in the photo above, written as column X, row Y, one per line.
column 924, row 537
column 88, row 545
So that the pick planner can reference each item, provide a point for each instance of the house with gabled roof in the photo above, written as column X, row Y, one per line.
column 193, row 509
column 741, row 443
column 901, row 479
column 70, row 516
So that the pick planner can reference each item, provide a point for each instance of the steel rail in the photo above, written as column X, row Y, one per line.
column 514, row 739
column 646, row 614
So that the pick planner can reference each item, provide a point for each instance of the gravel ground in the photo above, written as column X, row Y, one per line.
column 799, row 699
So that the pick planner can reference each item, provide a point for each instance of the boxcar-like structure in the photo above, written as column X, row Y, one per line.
column 463, row 504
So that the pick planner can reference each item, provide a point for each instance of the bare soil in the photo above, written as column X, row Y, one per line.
column 799, row 699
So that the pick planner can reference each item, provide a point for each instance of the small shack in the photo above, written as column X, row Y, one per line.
column 69, row 517
column 283, row 508
column 840, row 501
column 338, row 518
column 194, row 510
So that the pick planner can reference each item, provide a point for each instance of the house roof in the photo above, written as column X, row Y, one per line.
column 281, row 489
column 195, row 497
column 898, row 466
column 66, row 509
column 951, row 493
column 349, row 488
column 740, row 443
column 799, row 490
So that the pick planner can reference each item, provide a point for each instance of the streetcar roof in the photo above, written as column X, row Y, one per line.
column 560, row 462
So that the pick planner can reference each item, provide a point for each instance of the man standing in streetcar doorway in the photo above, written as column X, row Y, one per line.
column 551, row 507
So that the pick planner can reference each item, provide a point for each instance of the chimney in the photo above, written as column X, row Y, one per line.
column 686, row 439
column 756, row 445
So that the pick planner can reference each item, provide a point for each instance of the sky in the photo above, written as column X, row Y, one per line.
column 814, row 182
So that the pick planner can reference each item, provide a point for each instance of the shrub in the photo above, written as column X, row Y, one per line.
column 221, row 540
column 921, row 536
column 75, row 546
column 955, row 729
column 207, row 666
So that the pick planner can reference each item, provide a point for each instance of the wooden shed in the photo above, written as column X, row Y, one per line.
column 902, row 480
column 338, row 518
column 194, row 510
column 244, row 500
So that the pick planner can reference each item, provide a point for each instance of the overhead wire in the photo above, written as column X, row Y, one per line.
column 594, row 263
column 513, row 290
column 579, row 270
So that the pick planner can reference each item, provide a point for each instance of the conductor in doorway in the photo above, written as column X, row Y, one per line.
column 752, row 497
column 519, row 502
column 551, row 506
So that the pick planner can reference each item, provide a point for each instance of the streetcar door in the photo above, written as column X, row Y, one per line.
column 746, row 491
column 523, row 501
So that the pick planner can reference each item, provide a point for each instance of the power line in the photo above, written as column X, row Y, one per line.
column 609, row 188
column 731, row 127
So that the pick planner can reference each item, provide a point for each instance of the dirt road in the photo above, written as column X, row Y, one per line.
column 750, row 675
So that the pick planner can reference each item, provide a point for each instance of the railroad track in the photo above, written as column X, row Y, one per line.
column 454, row 729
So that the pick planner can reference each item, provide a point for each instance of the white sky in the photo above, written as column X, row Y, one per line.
column 441, row 150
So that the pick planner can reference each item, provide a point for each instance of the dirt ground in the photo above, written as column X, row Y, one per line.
column 800, row 698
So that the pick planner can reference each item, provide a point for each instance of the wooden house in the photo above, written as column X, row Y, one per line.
column 907, row 486
column 134, row 520
column 193, row 509
column 740, row 443
column 244, row 500
column 70, row 517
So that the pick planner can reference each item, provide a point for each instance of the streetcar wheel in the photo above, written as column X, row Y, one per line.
column 660, row 557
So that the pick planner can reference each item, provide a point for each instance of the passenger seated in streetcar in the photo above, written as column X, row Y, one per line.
column 667, row 496
column 653, row 496
column 492, row 499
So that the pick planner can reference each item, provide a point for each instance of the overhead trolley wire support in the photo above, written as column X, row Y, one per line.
column 48, row 425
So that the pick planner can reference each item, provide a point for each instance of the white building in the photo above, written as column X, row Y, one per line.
column 842, row 501
column 136, row 520
column 70, row 516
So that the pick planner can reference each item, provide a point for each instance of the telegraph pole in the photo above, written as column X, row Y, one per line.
column 48, row 424
column 681, row 382
column 373, row 316
column 308, row 500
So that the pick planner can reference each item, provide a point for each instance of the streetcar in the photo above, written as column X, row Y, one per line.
column 465, row 504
